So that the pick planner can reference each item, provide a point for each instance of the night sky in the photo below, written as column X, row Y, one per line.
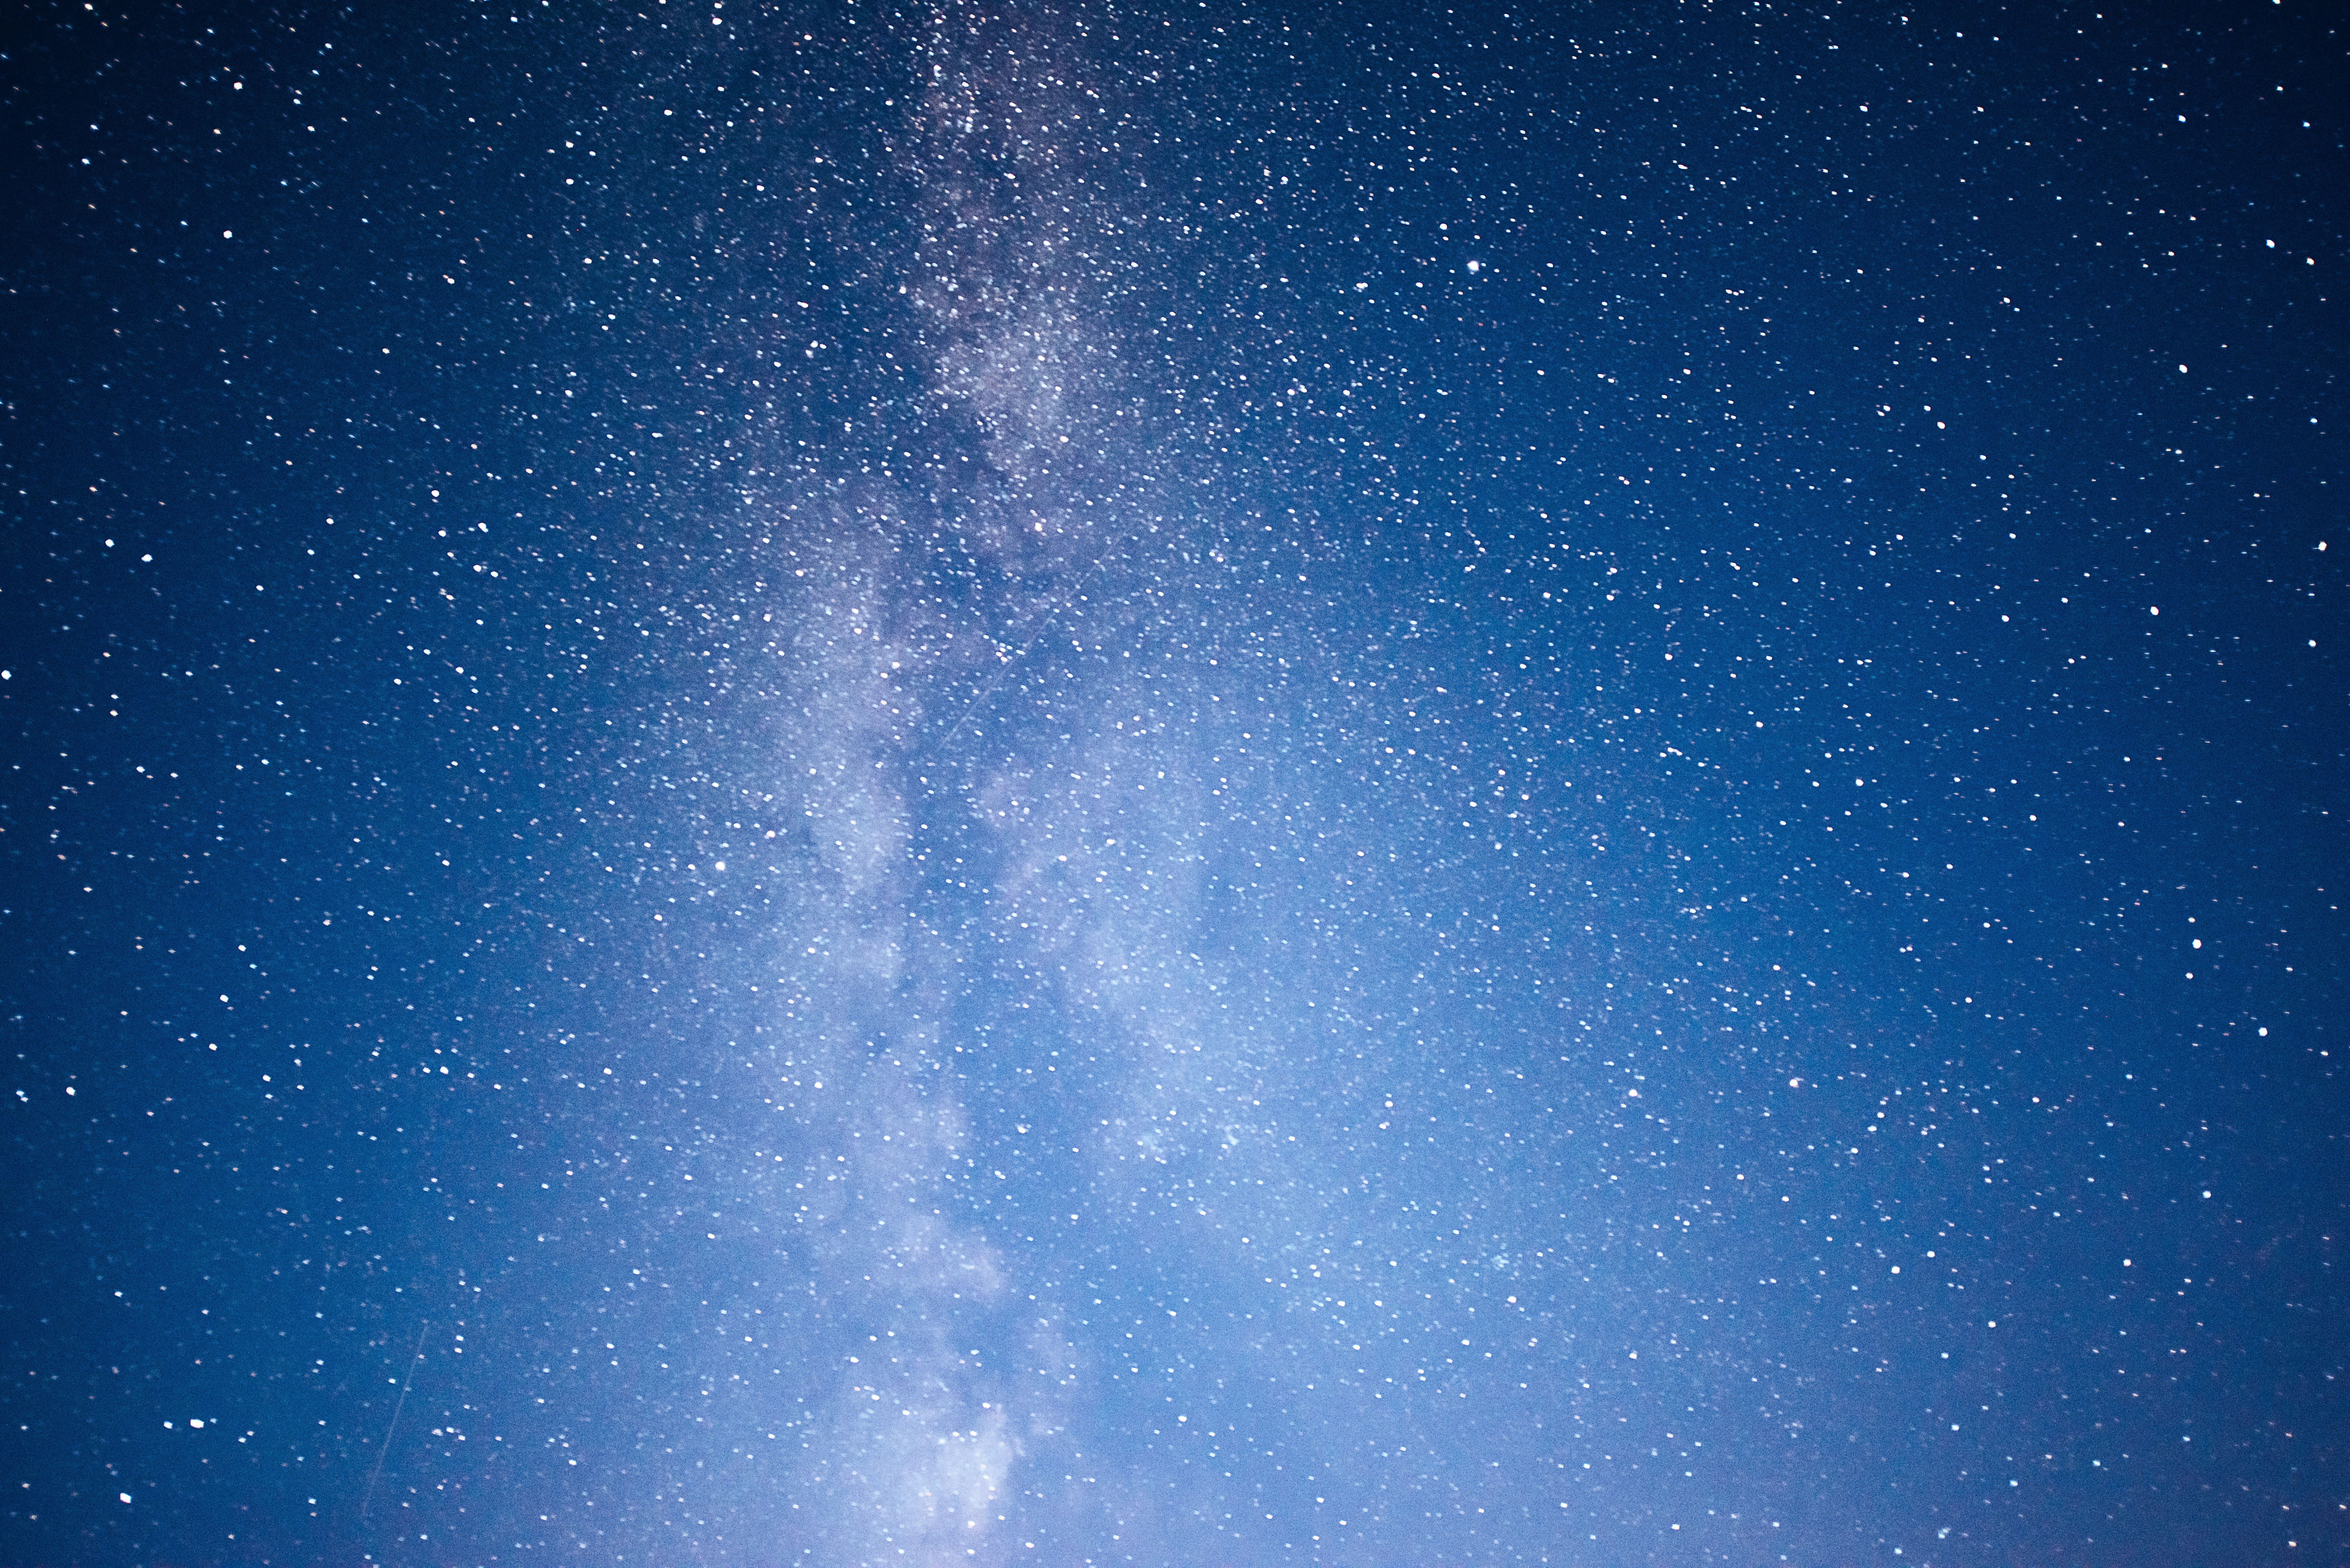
column 1174, row 783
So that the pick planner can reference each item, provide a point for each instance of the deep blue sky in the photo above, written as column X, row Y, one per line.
column 1173, row 783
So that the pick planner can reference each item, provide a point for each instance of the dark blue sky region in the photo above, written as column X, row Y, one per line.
column 1173, row 783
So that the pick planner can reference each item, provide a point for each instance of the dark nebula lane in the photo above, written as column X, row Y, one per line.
column 1165, row 783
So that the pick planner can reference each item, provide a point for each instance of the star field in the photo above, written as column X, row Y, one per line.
column 1168, row 783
